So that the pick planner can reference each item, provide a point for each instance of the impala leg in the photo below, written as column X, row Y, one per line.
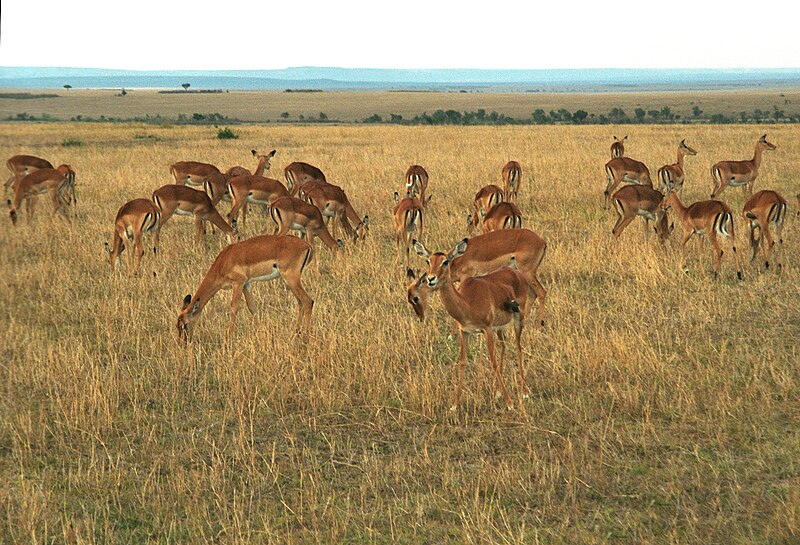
column 768, row 247
column 502, row 338
column 612, row 185
column 248, row 298
column 462, row 362
column 779, row 251
column 30, row 205
column 244, row 212
column 519, row 322
column 717, row 254
column 622, row 222
column 156, row 236
column 238, row 288
column 646, row 223
column 199, row 231
column 541, row 296
column 490, row 346
column 9, row 182
column 305, row 301
column 138, row 250
column 686, row 238
column 116, row 248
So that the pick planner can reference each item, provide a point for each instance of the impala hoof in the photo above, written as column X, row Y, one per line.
column 766, row 265
column 739, row 275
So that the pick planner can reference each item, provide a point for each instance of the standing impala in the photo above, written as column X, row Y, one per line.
column 712, row 219
column 503, row 215
column 239, row 265
column 297, row 174
column 625, row 169
column 512, row 177
column 185, row 201
column 59, row 183
column 408, row 222
column 762, row 209
column 618, row 147
column 739, row 173
column 293, row 214
column 639, row 200
column 519, row 248
column 253, row 189
column 135, row 219
column 484, row 304
column 416, row 178
column 673, row 176
column 192, row 172
column 22, row 165
column 485, row 198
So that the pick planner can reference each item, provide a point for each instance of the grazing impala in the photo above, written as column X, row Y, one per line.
column 337, row 194
column 712, row 219
column 512, row 177
column 639, row 200
column 192, row 172
column 297, row 174
column 185, row 201
column 503, row 215
column 22, row 165
column 135, row 219
column 293, row 214
column 520, row 248
column 625, row 169
column 762, row 209
column 239, row 265
column 739, row 173
column 408, row 221
column 618, row 147
column 417, row 182
column 59, row 183
column 672, row 176
column 253, row 189
column 485, row 198
column 484, row 304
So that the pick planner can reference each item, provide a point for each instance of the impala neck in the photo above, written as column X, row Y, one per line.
column 681, row 154
column 262, row 161
column 677, row 205
column 453, row 301
column 757, row 156
column 207, row 290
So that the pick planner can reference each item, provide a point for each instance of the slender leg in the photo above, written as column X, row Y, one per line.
column 519, row 322
column 138, row 250
column 490, row 346
column 304, row 300
column 238, row 287
column 248, row 297
column 462, row 361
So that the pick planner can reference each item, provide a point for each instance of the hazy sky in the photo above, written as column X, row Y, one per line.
column 166, row 34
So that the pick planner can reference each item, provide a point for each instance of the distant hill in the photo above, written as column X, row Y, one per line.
column 397, row 79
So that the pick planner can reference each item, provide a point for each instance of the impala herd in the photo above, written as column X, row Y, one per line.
column 485, row 282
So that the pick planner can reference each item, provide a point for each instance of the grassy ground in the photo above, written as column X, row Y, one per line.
column 664, row 407
column 344, row 106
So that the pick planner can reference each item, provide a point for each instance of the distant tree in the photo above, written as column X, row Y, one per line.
column 778, row 114
column 655, row 114
column 186, row 86
column 396, row 118
column 580, row 116
column 617, row 115
column 539, row 117
column 666, row 113
column 198, row 117
column 302, row 117
column 68, row 86
column 639, row 113
column 696, row 111
column 285, row 115
column 374, row 118
column 323, row 116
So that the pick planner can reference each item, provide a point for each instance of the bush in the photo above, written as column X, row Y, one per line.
column 71, row 142
column 226, row 134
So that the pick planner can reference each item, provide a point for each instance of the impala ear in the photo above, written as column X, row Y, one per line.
column 683, row 142
column 428, row 200
column 460, row 248
column 186, row 301
column 625, row 138
column 423, row 279
column 272, row 153
column 410, row 274
column 396, row 197
column 365, row 221
column 469, row 220
column 420, row 248
column 254, row 152
column 671, row 227
column 616, row 139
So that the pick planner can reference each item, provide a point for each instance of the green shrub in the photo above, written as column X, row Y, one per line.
column 226, row 134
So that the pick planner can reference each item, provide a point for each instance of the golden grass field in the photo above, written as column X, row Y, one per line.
column 664, row 406
column 261, row 106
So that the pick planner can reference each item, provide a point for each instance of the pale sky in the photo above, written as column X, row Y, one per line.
column 237, row 35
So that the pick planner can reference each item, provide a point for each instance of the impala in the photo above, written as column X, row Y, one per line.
column 672, row 176
column 519, row 248
column 417, row 182
column 239, row 265
column 762, row 209
column 22, row 165
column 503, row 215
column 298, row 174
column 253, row 189
column 408, row 221
column 263, row 164
column 337, row 198
column 485, row 198
column 512, row 177
column 618, row 147
column 639, row 200
column 135, row 219
column 484, row 304
column 739, row 173
column 192, row 172
column 293, row 214
column 59, row 183
column 625, row 169
column 712, row 219
column 185, row 201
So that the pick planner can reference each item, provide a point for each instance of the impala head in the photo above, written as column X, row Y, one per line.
column 764, row 144
column 188, row 312
column 439, row 262
column 418, row 292
column 662, row 226
column 686, row 149
column 618, row 147
column 264, row 157
column 360, row 231
column 669, row 199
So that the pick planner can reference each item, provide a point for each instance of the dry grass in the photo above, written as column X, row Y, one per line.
column 355, row 106
column 664, row 407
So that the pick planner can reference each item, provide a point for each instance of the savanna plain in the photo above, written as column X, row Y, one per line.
column 663, row 406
